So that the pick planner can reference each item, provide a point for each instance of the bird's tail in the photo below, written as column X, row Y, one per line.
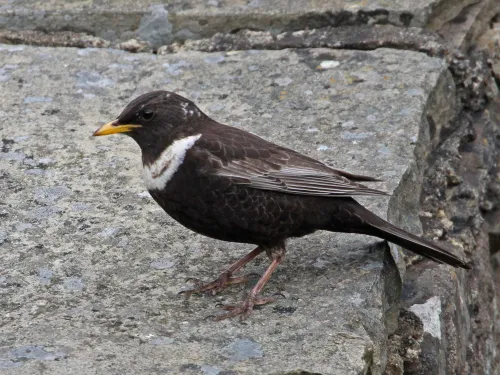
column 354, row 218
column 416, row 244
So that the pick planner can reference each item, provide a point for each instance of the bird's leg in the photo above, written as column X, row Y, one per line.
column 245, row 309
column 226, row 278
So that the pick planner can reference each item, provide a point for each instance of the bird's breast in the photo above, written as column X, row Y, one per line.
column 160, row 172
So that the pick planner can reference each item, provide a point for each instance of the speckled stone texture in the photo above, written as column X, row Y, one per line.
column 180, row 20
column 91, row 266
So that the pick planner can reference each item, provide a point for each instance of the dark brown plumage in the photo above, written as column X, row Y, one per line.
column 231, row 185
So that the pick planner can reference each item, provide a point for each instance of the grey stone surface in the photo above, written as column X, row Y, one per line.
column 162, row 23
column 490, row 41
column 53, row 39
column 363, row 37
column 464, row 30
column 461, row 173
column 91, row 266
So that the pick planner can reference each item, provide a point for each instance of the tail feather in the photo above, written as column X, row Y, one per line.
column 418, row 245
column 363, row 221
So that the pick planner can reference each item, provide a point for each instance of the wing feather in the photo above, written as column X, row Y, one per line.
column 251, row 161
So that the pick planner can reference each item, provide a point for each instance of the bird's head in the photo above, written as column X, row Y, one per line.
column 155, row 115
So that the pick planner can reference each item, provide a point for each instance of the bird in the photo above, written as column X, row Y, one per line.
column 229, row 184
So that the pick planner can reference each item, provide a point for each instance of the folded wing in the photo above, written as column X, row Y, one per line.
column 251, row 161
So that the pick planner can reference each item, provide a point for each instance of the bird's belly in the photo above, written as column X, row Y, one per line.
column 238, row 214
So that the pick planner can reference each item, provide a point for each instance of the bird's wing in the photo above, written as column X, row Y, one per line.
column 251, row 161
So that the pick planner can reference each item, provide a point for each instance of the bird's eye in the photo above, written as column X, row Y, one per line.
column 147, row 114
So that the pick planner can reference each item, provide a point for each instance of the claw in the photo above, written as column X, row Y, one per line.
column 187, row 293
column 212, row 317
column 215, row 286
column 279, row 294
column 193, row 280
column 228, row 307
column 244, row 309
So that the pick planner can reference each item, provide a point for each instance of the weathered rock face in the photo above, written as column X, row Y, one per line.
column 178, row 21
column 91, row 266
column 99, row 255
column 457, row 180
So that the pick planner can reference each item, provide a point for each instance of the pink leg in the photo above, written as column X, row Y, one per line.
column 246, row 308
column 226, row 278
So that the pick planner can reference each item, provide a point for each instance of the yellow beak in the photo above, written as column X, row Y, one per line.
column 114, row 127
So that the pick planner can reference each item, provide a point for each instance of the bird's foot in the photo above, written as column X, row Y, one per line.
column 244, row 309
column 214, row 287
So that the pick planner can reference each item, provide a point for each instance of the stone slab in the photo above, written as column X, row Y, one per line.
column 170, row 21
column 467, row 27
column 91, row 266
column 364, row 37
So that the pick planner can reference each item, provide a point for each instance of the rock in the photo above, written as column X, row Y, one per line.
column 52, row 39
column 161, row 24
column 82, row 270
column 155, row 27
column 121, row 252
column 134, row 45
